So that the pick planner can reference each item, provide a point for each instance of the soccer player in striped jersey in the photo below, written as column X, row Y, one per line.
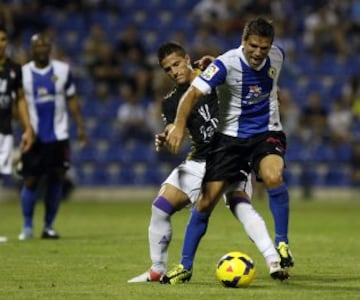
column 11, row 96
column 50, row 94
column 250, row 135
column 184, row 184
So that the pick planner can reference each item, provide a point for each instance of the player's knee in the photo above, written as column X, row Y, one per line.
column 273, row 179
column 206, row 204
column 163, row 204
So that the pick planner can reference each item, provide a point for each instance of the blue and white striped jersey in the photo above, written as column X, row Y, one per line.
column 248, row 97
column 46, row 91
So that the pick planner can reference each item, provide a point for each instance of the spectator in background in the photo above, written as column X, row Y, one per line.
column 285, row 39
column 313, row 132
column 130, row 52
column 289, row 112
column 221, row 17
column 106, row 68
column 323, row 32
column 313, row 119
column 99, row 57
column 92, row 43
column 132, row 116
column 205, row 42
column 259, row 8
column 128, row 42
column 339, row 121
column 49, row 92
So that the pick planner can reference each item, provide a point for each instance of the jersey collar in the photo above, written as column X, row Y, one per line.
column 42, row 70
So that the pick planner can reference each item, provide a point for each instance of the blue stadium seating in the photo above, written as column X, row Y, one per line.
column 137, row 163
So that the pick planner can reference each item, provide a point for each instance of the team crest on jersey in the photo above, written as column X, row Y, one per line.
column 272, row 72
column 210, row 72
column 254, row 91
column 54, row 78
column 42, row 91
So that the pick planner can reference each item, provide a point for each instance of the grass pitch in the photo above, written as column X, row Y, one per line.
column 105, row 244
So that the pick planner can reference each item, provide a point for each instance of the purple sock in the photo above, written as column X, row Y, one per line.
column 163, row 204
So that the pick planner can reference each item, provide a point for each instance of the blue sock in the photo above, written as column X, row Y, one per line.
column 195, row 230
column 279, row 206
column 52, row 202
column 28, row 201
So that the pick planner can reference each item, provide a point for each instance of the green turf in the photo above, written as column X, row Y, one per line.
column 104, row 244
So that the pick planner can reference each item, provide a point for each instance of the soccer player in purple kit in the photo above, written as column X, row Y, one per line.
column 250, row 136
column 183, row 186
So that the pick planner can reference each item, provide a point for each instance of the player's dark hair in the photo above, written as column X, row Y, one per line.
column 260, row 27
column 168, row 48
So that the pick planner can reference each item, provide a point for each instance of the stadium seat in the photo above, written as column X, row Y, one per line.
column 337, row 176
column 152, row 176
column 126, row 175
column 139, row 151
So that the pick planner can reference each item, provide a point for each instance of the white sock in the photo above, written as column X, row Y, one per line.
column 255, row 228
column 160, row 233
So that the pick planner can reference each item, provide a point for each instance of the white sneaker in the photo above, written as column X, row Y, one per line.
column 148, row 276
column 26, row 234
column 277, row 272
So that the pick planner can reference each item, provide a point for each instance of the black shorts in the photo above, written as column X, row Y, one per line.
column 43, row 158
column 232, row 159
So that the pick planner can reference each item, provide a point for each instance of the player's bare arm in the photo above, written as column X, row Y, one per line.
column 74, row 108
column 176, row 134
column 27, row 138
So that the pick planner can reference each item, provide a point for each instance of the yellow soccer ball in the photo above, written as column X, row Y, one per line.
column 235, row 269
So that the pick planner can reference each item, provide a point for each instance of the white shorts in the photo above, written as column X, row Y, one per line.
column 188, row 176
column 6, row 152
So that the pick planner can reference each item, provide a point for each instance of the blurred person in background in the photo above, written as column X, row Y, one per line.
column 130, row 52
column 323, row 31
column 132, row 120
column 339, row 121
column 313, row 132
column 50, row 94
column 184, row 184
column 12, row 102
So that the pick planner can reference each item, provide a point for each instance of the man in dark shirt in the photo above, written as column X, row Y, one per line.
column 11, row 97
